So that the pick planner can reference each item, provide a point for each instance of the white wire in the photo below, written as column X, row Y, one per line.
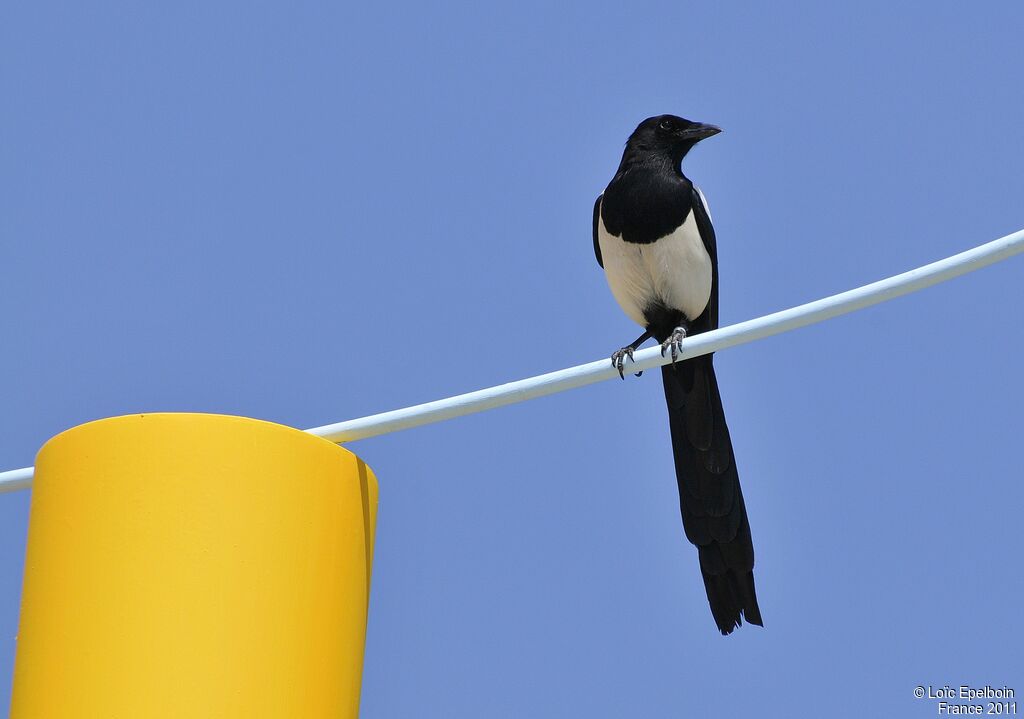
column 15, row 479
column 585, row 374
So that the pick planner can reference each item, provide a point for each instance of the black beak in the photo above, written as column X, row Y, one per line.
column 700, row 132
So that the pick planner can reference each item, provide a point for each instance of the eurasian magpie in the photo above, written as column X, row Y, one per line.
column 654, row 239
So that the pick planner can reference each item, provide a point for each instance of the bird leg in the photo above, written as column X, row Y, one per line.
column 620, row 354
column 674, row 342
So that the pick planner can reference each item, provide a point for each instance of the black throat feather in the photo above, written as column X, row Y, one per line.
column 647, row 199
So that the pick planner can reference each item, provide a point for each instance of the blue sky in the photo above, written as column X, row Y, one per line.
column 306, row 212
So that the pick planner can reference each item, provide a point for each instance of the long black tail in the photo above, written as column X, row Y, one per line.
column 714, row 517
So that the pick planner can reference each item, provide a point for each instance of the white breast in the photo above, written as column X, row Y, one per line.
column 674, row 270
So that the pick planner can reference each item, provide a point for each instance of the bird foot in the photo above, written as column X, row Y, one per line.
column 674, row 343
column 619, row 356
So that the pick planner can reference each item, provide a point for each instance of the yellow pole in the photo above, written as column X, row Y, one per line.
column 190, row 565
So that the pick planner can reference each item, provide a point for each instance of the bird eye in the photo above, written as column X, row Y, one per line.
column 667, row 125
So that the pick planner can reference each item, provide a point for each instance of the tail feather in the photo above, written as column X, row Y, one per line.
column 710, row 499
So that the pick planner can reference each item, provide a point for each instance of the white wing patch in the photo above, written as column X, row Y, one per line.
column 704, row 201
column 674, row 270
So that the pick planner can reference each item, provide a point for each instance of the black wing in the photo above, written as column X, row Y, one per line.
column 597, row 218
column 709, row 318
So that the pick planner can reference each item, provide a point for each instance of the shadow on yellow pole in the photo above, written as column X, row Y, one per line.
column 192, row 565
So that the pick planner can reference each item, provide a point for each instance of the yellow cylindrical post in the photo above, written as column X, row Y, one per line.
column 190, row 565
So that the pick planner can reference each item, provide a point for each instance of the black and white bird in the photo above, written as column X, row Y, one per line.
column 654, row 239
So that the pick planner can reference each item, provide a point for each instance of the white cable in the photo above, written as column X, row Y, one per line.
column 15, row 479
column 585, row 374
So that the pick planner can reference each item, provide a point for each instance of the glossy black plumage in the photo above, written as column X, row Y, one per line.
column 646, row 201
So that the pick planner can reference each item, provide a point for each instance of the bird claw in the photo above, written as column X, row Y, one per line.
column 618, row 356
column 674, row 343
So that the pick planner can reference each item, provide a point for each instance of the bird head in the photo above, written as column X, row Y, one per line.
column 669, row 135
